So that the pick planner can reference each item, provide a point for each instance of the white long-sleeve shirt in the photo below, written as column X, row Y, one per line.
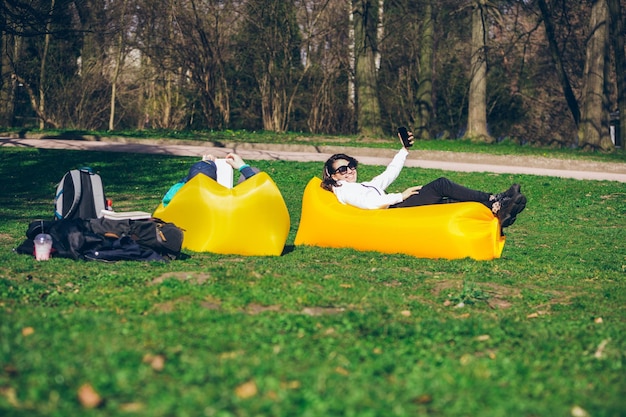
column 371, row 194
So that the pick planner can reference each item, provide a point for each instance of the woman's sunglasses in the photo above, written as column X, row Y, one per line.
column 344, row 168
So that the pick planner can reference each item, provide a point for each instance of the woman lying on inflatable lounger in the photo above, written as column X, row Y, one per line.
column 340, row 177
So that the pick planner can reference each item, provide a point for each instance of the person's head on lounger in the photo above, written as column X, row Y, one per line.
column 339, row 167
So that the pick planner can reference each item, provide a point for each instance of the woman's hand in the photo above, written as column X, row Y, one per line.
column 411, row 191
column 411, row 140
column 234, row 160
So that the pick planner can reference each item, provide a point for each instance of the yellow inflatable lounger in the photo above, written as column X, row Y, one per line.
column 249, row 219
column 450, row 231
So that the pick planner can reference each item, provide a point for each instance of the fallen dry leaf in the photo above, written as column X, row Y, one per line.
column 10, row 395
column 466, row 359
column 600, row 351
column 232, row 354
column 424, row 399
column 156, row 362
column 246, row 390
column 342, row 371
column 27, row 331
column 579, row 412
column 483, row 337
column 532, row 316
column 131, row 407
column 405, row 313
column 88, row 396
column 295, row 384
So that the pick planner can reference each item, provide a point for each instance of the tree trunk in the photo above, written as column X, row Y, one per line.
column 42, row 71
column 617, row 37
column 380, row 31
column 477, row 111
column 32, row 96
column 365, row 31
column 557, row 58
column 119, row 58
column 424, row 103
column 352, row 60
column 7, row 84
column 593, row 132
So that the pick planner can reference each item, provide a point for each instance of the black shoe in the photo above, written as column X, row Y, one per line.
column 513, row 191
column 502, row 208
column 519, row 204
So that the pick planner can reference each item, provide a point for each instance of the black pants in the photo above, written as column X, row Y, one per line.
column 442, row 190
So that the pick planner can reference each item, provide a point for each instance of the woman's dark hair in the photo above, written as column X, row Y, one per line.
column 328, row 182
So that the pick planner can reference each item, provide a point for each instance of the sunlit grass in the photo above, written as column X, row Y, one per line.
column 315, row 332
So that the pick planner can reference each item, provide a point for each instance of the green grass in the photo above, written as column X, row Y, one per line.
column 316, row 332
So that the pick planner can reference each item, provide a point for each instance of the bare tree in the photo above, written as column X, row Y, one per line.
column 22, row 19
column 163, row 72
column 270, row 44
column 617, row 38
column 119, row 60
column 593, row 130
column 205, row 45
column 42, row 70
column 365, row 14
column 424, row 97
column 557, row 57
column 325, row 46
column 477, row 114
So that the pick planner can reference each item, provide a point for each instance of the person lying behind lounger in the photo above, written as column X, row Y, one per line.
column 208, row 167
column 340, row 177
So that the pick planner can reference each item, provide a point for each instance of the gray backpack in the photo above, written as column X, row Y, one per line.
column 79, row 195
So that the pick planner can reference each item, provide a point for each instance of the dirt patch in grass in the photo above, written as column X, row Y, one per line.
column 499, row 296
column 250, row 309
column 254, row 308
column 193, row 277
column 496, row 295
column 5, row 237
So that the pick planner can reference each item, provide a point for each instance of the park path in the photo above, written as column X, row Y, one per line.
column 448, row 161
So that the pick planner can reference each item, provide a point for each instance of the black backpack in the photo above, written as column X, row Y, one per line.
column 79, row 195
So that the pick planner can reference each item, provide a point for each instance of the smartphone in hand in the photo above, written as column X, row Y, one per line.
column 404, row 135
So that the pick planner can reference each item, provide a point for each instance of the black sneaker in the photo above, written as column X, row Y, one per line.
column 512, row 192
column 519, row 204
column 502, row 208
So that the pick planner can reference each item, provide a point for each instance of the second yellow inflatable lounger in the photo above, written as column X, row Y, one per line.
column 450, row 231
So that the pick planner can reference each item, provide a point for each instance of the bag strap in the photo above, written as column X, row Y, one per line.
column 58, row 199
column 99, row 200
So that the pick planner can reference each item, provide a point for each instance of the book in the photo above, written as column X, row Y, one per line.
column 224, row 173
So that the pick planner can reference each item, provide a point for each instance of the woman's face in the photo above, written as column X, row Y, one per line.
column 344, row 171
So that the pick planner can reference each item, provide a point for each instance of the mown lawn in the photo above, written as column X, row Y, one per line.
column 315, row 332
